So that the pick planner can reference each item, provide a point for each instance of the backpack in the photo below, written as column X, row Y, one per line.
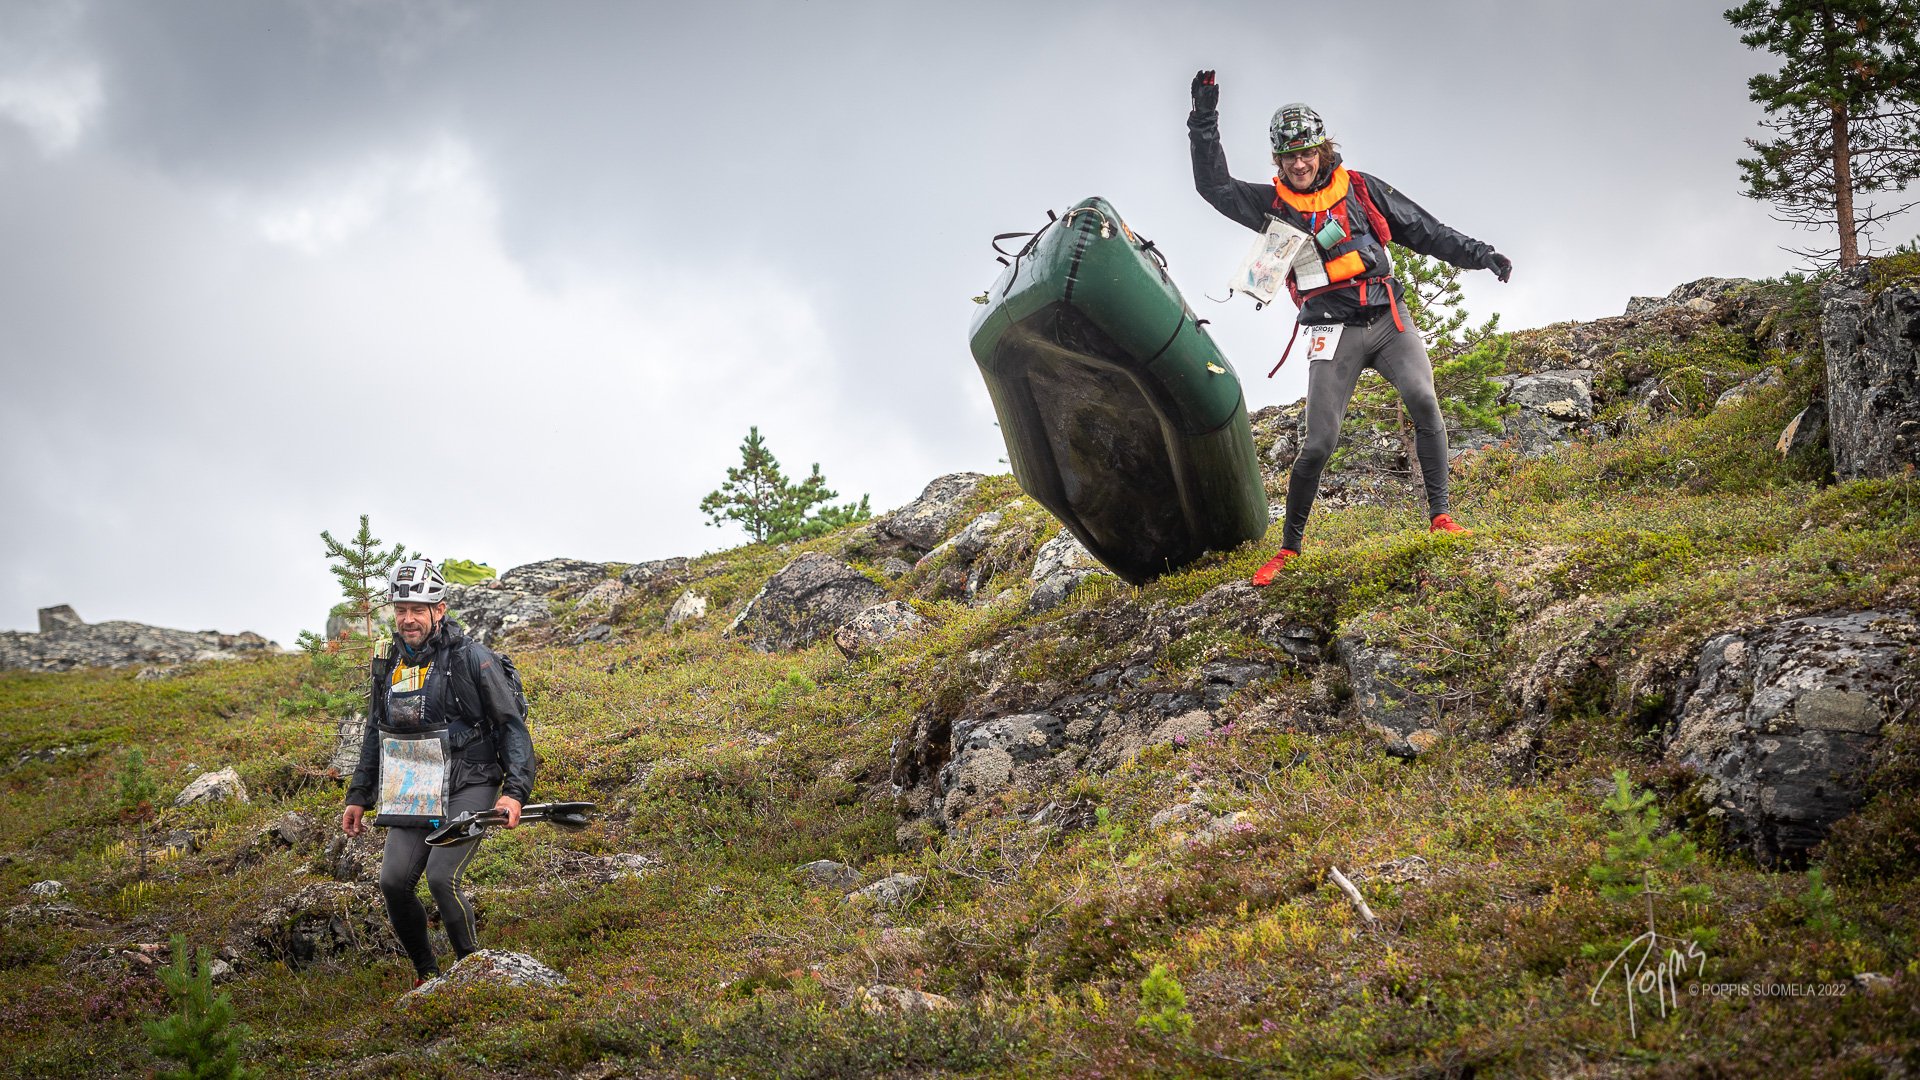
column 464, row 682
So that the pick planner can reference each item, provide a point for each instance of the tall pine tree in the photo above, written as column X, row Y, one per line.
column 1844, row 109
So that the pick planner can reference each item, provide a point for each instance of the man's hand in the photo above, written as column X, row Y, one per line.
column 1501, row 266
column 1206, row 92
column 350, row 820
column 510, row 806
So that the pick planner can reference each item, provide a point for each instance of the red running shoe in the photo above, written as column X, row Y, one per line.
column 1445, row 523
column 1264, row 575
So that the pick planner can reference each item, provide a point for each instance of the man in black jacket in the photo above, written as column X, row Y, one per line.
column 1351, row 306
column 446, row 735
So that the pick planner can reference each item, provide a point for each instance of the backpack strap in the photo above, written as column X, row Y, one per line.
column 1375, row 218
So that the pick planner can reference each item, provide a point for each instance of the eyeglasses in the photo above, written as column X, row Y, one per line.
column 1299, row 155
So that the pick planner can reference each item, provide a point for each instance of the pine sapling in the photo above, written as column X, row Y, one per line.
column 202, row 1036
column 137, row 787
column 1163, row 1004
column 1642, row 860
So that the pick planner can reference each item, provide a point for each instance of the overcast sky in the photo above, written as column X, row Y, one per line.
column 515, row 278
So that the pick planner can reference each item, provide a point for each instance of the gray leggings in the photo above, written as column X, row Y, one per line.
column 1402, row 360
column 406, row 856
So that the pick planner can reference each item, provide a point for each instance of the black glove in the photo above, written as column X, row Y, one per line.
column 1206, row 92
column 1501, row 266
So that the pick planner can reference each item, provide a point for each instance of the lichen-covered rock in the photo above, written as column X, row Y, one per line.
column 1701, row 296
column 1553, row 407
column 882, row 998
column 212, row 787
column 347, row 737
column 1782, row 722
column 323, row 920
column 1872, row 344
column 803, row 603
column 600, row 599
column 877, row 626
column 893, row 891
column 921, row 523
column 1806, row 432
column 550, row 576
column 492, row 610
column 1059, row 567
column 1390, row 696
column 827, row 874
column 658, row 574
column 491, row 967
column 65, row 643
column 687, row 607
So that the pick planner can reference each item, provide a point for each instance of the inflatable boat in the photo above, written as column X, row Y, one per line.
column 1121, row 416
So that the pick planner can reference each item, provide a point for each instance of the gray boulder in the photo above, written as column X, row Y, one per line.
column 921, row 523
column 1553, row 407
column 804, row 602
column 1806, row 432
column 213, row 787
column 986, row 754
column 1872, row 344
column 59, row 617
column 688, row 607
column 1700, row 296
column 656, row 574
column 1059, row 567
column 827, row 874
column 893, row 891
column 492, row 967
column 1782, row 722
column 1389, row 696
column 875, row 627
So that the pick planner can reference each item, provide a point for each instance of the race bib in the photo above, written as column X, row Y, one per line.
column 1319, row 340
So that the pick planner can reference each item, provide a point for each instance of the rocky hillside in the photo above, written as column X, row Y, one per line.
column 937, row 795
column 65, row 641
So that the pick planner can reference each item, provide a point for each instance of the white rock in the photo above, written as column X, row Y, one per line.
column 214, row 787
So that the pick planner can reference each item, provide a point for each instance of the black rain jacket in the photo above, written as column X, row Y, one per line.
column 475, row 695
column 1252, row 205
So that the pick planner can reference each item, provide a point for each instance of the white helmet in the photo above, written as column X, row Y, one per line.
column 416, row 581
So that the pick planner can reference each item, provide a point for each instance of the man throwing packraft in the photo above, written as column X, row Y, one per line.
column 1350, row 303
column 446, row 735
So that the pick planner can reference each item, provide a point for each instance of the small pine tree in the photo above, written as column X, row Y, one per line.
column 334, row 685
column 361, row 568
column 1639, row 855
column 1163, row 1004
column 137, row 787
column 202, row 1036
column 772, row 508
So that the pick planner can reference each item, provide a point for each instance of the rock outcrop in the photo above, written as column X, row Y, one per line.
column 64, row 642
column 807, row 600
column 1782, row 722
column 921, row 523
column 1872, row 343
